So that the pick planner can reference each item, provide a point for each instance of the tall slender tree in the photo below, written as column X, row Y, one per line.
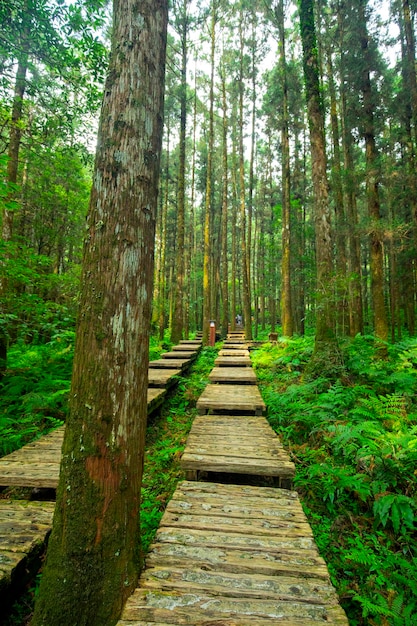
column 92, row 561
column 372, row 188
column 325, row 331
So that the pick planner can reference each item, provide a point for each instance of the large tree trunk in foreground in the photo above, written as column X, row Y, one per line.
column 93, row 561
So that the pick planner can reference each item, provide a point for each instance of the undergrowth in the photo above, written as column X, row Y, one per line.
column 355, row 447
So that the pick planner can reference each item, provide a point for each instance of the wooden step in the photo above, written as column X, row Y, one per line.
column 231, row 398
column 236, row 445
column 24, row 527
column 233, row 361
column 230, row 555
column 233, row 375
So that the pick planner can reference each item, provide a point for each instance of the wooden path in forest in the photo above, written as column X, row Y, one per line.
column 24, row 525
column 233, row 554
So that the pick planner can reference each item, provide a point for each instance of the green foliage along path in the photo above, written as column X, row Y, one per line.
column 354, row 444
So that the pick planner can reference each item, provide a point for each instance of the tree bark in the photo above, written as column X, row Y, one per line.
column 224, row 261
column 7, row 216
column 93, row 554
column 178, row 308
column 207, row 273
column 325, row 302
column 372, row 191
column 286, row 299
column 245, row 257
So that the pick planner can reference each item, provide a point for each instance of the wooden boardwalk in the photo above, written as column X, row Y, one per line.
column 233, row 361
column 191, row 355
column 158, row 377
column 236, row 445
column 224, row 555
column 240, row 375
column 228, row 555
column 231, row 398
column 234, row 352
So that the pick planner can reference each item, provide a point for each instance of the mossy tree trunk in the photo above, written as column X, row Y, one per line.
column 93, row 555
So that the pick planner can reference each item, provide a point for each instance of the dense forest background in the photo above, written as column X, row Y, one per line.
column 288, row 195
column 237, row 226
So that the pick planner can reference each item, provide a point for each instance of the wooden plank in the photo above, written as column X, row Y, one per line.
column 212, row 446
column 218, row 560
column 178, row 364
column 155, row 399
column 180, row 355
column 224, row 352
column 242, row 375
column 235, row 346
column 158, row 377
column 191, row 342
column 233, row 361
column 232, row 398
column 23, row 530
column 184, row 347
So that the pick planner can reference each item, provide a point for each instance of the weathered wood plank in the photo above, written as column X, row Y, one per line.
column 155, row 399
column 227, row 345
column 158, row 377
column 227, row 352
column 233, row 361
column 185, row 347
column 183, row 354
column 231, row 398
column 213, row 446
column 178, row 364
column 224, row 555
column 23, row 529
column 191, row 342
column 240, row 375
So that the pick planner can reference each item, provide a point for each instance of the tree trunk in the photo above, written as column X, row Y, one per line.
column 325, row 335
column 339, row 208
column 355, row 303
column 163, row 242
column 178, row 308
column 245, row 257
column 12, row 174
column 286, row 300
column 93, row 553
column 372, row 191
column 224, row 263
column 207, row 273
